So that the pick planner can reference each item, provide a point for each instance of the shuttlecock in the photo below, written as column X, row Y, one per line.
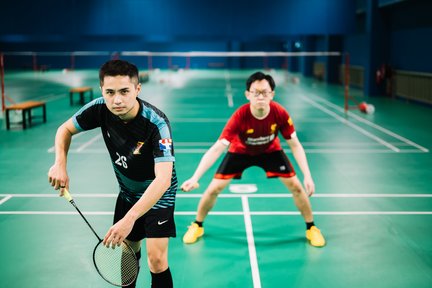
column 366, row 108
column 370, row 109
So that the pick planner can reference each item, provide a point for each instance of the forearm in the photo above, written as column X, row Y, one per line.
column 57, row 174
column 208, row 160
column 62, row 143
column 300, row 157
column 150, row 197
column 161, row 183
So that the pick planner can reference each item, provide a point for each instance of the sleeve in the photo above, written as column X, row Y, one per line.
column 286, row 124
column 163, row 146
column 88, row 117
column 231, row 129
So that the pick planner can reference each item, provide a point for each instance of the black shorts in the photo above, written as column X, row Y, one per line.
column 156, row 223
column 275, row 164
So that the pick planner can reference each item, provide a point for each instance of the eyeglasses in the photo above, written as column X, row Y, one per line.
column 263, row 93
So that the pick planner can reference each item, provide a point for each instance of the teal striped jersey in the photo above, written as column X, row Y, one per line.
column 134, row 147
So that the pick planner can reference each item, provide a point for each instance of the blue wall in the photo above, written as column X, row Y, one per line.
column 405, row 36
column 169, row 20
column 398, row 34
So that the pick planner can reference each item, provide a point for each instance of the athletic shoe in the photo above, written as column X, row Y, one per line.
column 315, row 237
column 194, row 232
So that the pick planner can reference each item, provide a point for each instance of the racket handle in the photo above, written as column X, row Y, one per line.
column 66, row 195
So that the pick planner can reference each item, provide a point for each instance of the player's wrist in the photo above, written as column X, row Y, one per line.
column 132, row 215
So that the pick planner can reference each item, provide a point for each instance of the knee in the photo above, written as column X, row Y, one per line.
column 158, row 262
column 215, row 190
column 296, row 188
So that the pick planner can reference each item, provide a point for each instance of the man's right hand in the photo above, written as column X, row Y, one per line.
column 189, row 185
column 58, row 178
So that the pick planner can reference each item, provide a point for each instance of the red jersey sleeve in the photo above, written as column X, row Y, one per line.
column 286, row 124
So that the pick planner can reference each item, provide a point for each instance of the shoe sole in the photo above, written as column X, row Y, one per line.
column 197, row 238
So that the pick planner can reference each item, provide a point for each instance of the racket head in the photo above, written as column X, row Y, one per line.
column 118, row 266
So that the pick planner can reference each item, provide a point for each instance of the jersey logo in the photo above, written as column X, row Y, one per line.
column 273, row 128
column 138, row 147
column 162, row 222
column 165, row 144
column 290, row 121
column 250, row 131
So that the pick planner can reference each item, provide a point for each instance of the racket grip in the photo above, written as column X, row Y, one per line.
column 66, row 195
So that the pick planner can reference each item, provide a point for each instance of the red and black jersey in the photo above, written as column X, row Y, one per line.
column 249, row 135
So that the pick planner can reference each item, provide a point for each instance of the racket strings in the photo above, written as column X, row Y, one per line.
column 118, row 266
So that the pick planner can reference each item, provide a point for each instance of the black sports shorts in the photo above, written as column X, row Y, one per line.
column 156, row 223
column 275, row 164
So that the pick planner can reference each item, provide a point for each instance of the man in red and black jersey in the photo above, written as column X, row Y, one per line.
column 138, row 138
column 252, row 137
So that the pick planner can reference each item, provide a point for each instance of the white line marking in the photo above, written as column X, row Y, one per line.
column 53, row 213
column 259, row 195
column 352, row 125
column 199, row 120
column 289, row 213
column 52, row 148
column 308, row 150
column 88, row 143
column 317, row 195
column 228, row 89
column 5, row 199
column 186, row 144
column 230, row 213
column 251, row 243
column 382, row 129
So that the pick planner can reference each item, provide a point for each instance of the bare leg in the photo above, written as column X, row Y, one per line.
column 208, row 200
column 157, row 258
column 157, row 253
column 301, row 200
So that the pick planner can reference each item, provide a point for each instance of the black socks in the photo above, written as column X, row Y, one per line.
column 309, row 225
column 162, row 280
column 200, row 224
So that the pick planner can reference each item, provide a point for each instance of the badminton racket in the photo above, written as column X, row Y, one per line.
column 118, row 266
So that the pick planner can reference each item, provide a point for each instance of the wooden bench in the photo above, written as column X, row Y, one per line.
column 26, row 108
column 81, row 91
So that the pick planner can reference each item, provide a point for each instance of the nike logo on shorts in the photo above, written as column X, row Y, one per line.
column 162, row 222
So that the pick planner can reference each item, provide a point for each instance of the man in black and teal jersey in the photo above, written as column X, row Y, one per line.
column 139, row 141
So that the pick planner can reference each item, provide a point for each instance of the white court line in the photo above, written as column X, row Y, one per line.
column 251, row 243
column 52, row 148
column 290, row 213
column 230, row 213
column 88, row 143
column 228, row 89
column 288, row 151
column 199, row 120
column 224, row 120
column 255, row 195
column 382, row 129
column 5, row 199
column 316, row 195
column 307, row 150
column 352, row 125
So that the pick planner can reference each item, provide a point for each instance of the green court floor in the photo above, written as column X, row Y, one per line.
column 373, row 200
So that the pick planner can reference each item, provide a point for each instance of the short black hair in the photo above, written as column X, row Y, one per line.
column 258, row 76
column 118, row 68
